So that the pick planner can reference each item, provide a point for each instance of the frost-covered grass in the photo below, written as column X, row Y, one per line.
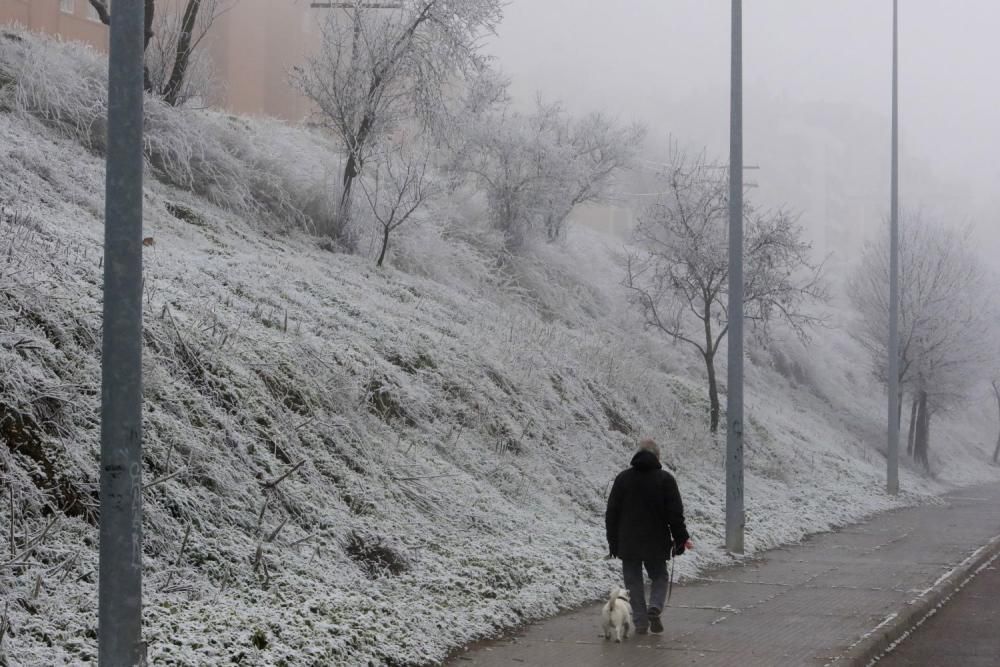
column 457, row 424
column 252, row 167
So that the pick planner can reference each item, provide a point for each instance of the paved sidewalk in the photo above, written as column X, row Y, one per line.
column 809, row 604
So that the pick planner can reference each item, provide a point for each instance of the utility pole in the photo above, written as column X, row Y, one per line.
column 735, row 517
column 120, row 570
column 892, row 475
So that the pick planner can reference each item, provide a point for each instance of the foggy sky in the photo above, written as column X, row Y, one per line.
column 666, row 62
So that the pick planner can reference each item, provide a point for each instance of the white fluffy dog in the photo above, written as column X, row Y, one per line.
column 617, row 615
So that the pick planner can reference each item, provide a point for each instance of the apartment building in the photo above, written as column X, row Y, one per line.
column 72, row 19
column 251, row 47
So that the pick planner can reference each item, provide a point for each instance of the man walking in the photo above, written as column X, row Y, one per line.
column 645, row 528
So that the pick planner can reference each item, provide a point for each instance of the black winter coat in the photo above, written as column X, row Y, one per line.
column 644, row 511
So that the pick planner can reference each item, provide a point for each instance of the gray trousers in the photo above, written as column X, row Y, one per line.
column 632, row 572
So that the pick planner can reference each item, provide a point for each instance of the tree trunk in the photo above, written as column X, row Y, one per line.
column 103, row 13
column 385, row 245
column 899, row 411
column 996, row 452
column 713, row 393
column 925, row 432
column 709, row 355
column 147, row 83
column 913, row 424
column 551, row 229
column 172, row 91
column 922, row 441
column 150, row 13
column 344, row 209
column 353, row 169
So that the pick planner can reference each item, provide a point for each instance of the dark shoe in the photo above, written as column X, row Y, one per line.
column 642, row 631
column 655, row 626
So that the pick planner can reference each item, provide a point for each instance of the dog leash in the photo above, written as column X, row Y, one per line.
column 670, row 569
column 670, row 580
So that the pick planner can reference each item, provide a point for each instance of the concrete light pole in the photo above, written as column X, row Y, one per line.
column 735, row 516
column 120, row 570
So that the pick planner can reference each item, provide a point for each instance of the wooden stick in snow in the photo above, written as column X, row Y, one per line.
column 13, row 550
column 31, row 546
column 177, row 561
column 303, row 540
column 4, row 623
column 277, row 530
column 260, row 515
column 274, row 482
column 417, row 479
column 164, row 478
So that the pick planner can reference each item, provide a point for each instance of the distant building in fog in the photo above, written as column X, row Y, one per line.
column 71, row 19
column 251, row 47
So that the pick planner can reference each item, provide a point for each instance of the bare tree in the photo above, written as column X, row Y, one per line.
column 679, row 273
column 594, row 149
column 171, row 42
column 513, row 159
column 536, row 168
column 382, row 67
column 398, row 188
column 943, row 324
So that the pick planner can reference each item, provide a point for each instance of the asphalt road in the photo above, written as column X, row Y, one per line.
column 965, row 632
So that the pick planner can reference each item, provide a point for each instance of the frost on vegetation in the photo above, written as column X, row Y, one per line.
column 346, row 466
column 535, row 169
column 253, row 167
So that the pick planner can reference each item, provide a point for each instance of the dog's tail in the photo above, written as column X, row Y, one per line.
column 615, row 592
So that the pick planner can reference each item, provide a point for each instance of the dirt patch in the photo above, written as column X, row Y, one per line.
column 381, row 402
column 25, row 437
column 185, row 214
column 412, row 365
column 283, row 389
column 375, row 558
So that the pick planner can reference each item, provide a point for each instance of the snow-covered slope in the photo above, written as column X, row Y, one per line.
column 448, row 429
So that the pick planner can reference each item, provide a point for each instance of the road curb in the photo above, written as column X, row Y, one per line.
column 896, row 626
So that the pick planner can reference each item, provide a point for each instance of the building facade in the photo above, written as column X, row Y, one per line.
column 251, row 47
column 71, row 19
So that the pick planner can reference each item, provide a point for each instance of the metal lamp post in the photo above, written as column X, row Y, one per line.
column 892, row 475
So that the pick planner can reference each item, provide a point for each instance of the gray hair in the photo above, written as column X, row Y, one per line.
column 649, row 445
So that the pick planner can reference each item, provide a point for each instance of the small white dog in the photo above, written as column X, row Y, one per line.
column 617, row 615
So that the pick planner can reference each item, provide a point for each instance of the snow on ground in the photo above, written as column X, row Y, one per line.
column 457, row 427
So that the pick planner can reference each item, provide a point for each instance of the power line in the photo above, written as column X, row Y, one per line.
column 667, row 165
column 356, row 5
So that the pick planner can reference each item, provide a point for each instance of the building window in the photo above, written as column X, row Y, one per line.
column 67, row 6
